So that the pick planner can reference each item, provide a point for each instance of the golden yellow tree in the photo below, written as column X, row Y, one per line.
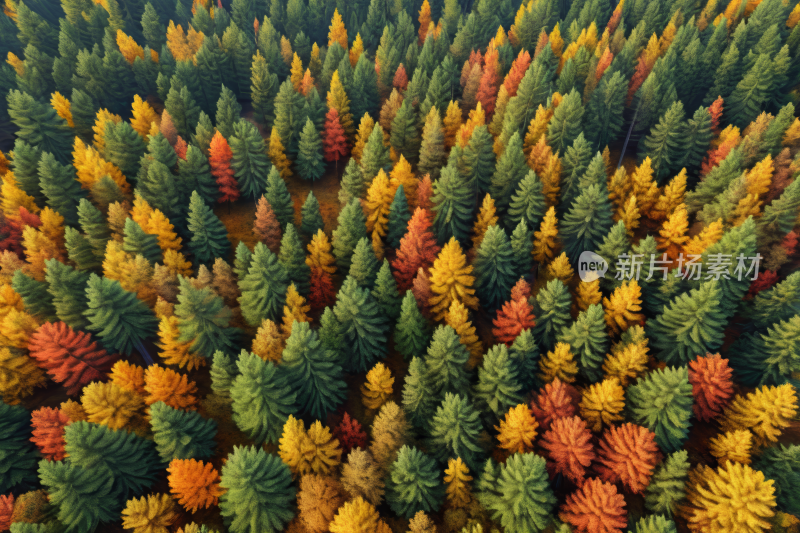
column 296, row 72
column 537, row 129
column 128, row 376
column 545, row 240
column 672, row 235
column 517, row 430
column 356, row 50
column 627, row 361
column 622, row 309
column 99, row 128
column 143, row 117
column 558, row 363
column 765, row 412
column 19, row 375
column 378, row 387
column 644, row 186
column 451, row 123
column 365, row 127
column 110, row 405
column 602, row 404
column 16, row 328
column 732, row 446
column 619, row 187
column 165, row 385
column 708, row 236
column 337, row 99
column 319, row 253
column 277, row 154
column 451, row 280
column 38, row 249
column 268, row 342
column 629, row 215
column 540, row 155
column 62, row 107
column 176, row 262
column 377, row 205
column 358, row 516
column 295, row 310
column 128, row 47
column 671, row 198
column 154, row 513
column 160, row 226
column 402, row 174
column 13, row 197
column 559, row 268
column 457, row 478
column 587, row 293
column 174, row 352
column 457, row 317
column 313, row 451
column 337, row 32
column 487, row 217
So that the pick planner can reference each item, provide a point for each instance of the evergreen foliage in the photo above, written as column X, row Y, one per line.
column 363, row 327
column 413, row 483
column 662, row 402
column 264, row 287
column 181, row 434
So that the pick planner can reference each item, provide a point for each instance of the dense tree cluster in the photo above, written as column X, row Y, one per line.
column 312, row 265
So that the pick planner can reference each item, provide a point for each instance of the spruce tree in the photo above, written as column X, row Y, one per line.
column 228, row 112
column 781, row 464
column 751, row 93
column 522, row 250
column 123, row 147
column 698, row 139
column 662, row 402
column 262, row 398
column 243, row 259
column 432, row 152
column 310, row 164
column 565, row 126
column 181, row 434
column 494, row 268
column 137, row 242
column 604, row 113
column 18, row 453
column 445, row 362
column 121, row 320
column 527, row 203
column 25, row 165
column 288, row 114
column 587, row 222
column 263, row 89
column 38, row 125
column 365, row 84
column 293, row 259
column 416, row 400
column 479, row 160
column 668, row 485
column 385, row 292
column 453, row 205
column 67, row 286
column 525, row 355
column 375, row 156
column 195, row 175
column 38, row 300
column 413, row 483
column 59, row 186
column 780, row 302
column 498, row 388
column 404, row 137
column 511, row 169
column 768, row 358
column 574, row 165
column 363, row 326
column 159, row 186
column 313, row 372
column 552, row 312
column 311, row 218
column 203, row 320
column 80, row 251
column 209, row 236
column 353, row 185
column 666, row 143
column 588, row 340
column 412, row 333
column 94, row 226
column 330, row 334
column 455, row 431
column 250, row 161
column 399, row 215
column 263, row 288
column 352, row 227
column 279, row 198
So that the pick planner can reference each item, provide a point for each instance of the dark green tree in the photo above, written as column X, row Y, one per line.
column 751, row 93
column 181, row 434
column 38, row 300
column 494, row 268
column 364, row 328
column 310, row 163
column 364, row 264
column 314, row 373
column 94, row 226
column 195, row 175
column 352, row 227
column 455, row 431
column 279, row 198
column 781, row 464
column 18, row 453
column 527, row 203
column 453, row 205
column 525, row 355
column 445, row 362
column 662, row 402
column 244, row 257
column 413, row 483
column 375, row 156
column 604, row 113
column 666, row 143
column 353, row 185
column 293, row 260
column 565, row 126
column 511, row 169
column 588, row 340
column 365, row 84
column 575, row 163
column 330, row 334
column 263, row 288
column 137, row 242
column 39, row 125
column 522, row 250
column 412, row 333
column 288, row 114
column 780, row 302
column 399, row 215
column 416, row 400
column 498, row 388
column 68, row 289
column 552, row 312
column 404, row 137
column 250, row 159
column 204, row 320
column 80, row 250
column 228, row 112
column 587, row 222
column 59, row 186
column 209, row 236
column 124, row 147
column 203, row 133
column 183, row 109
column 697, row 139
column 479, row 160
column 25, row 165
column 768, row 359
column 311, row 218
column 385, row 292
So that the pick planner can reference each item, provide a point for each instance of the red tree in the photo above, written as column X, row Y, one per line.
column 512, row 319
column 715, row 110
column 639, row 75
column 712, row 387
column 555, row 400
column 322, row 293
column 628, row 454
column 334, row 143
column 220, row 155
column 602, row 65
column 541, row 42
column 765, row 280
column 596, row 507
column 350, row 434
column 613, row 22
column 6, row 510
column 475, row 57
column 400, row 80
column 266, row 226
column 425, row 195
column 789, row 243
column 10, row 235
column 520, row 291
column 569, row 448
column 180, row 148
column 71, row 357
column 487, row 89
column 28, row 218
column 418, row 249
column 48, row 432
column 714, row 157
column 421, row 289
column 517, row 72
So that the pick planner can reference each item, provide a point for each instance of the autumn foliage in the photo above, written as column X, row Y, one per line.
column 194, row 484
column 514, row 317
column 350, row 434
column 48, row 432
column 627, row 454
column 569, row 448
column 555, row 400
column 596, row 507
column 418, row 249
column 712, row 388
column 219, row 159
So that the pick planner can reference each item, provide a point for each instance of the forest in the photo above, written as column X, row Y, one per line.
column 399, row 266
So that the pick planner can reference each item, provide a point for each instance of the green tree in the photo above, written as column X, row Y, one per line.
column 453, row 205
column 80, row 250
column 587, row 222
column 363, row 326
column 181, row 434
column 364, row 264
column 244, row 257
column 668, row 485
column 310, row 164
column 588, row 339
column 38, row 300
column 195, row 175
column 517, row 494
column 159, row 186
column 68, row 289
column 565, row 126
column 311, row 218
column 25, row 165
column 330, row 334
column 228, row 112
column 479, row 160
column 498, row 388
column 697, row 139
column 655, row 524
column 181, row 106
column 416, row 400
column 94, row 226
column 412, row 333
column 258, row 491
column 263, row 288
column 137, row 242
column 404, row 137
column 455, row 431
column 352, row 227
column 604, row 113
column 666, row 143
column 250, row 159
column 59, row 186
column 39, row 125
column 432, row 152
column 575, row 163
column 365, row 84
column 780, row 302
column 445, row 362
column 293, row 260
column 494, row 268
column 750, row 94
column 313, row 372
column 777, row 221
column 527, row 203
column 781, row 464
column 662, row 402
column 552, row 312
column 375, row 156
column 279, row 198
column 209, row 236
column 715, row 181
column 399, row 215
column 525, row 355
column 121, row 320
column 203, row 133
column 768, row 359
column 353, row 185
column 288, row 114
column 203, row 320
column 223, row 371
column 262, row 398
column 123, row 146
column 18, row 453
column 511, row 169
column 522, row 250
column 413, row 483
column 385, row 292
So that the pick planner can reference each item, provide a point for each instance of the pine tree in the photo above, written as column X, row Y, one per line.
column 779, row 463
column 667, row 486
column 453, row 206
column 432, row 154
column 166, row 385
column 604, row 120
column 451, row 280
column 194, row 484
column 195, row 175
column 279, row 199
column 494, row 272
column 272, row 490
column 311, row 217
column 445, row 360
column 263, row 287
column 377, row 205
column 353, row 185
column 621, row 461
column 375, row 155
column 333, row 138
column 181, row 434
column 59, row 186
column 15, row 423
column 565, row 126
column 137, row 242
column 552, row 313
column 399, row 216
column 313, row 371
column 528, row 202
column 588, row 339
column 363, row 326
column 309, row 157
column 209, row 236
column 404, row 137
column 39, row 125
column 498, row 386
column 352, row 227
column 249, row 162
column 412, row 332
column 662, row 402
column 455, row 430
column 666, row 143
column 385, row 292
column 745, row 103
column 38, row 300
column 413, row 484
column 203, row 320
column 378, row 387
column 510, row 171
column 292, row 259
column 67, row 286
column 595, row 502
column 764, row 412
column 417, row 249
column 263, row 89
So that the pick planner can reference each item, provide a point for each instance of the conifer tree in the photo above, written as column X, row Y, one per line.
column 445, row 363
column 195, row 175
column 453, row 206
column 250, row 162
column 292, row 259
column 264, row 287
column 552, row 313
column 311, row 217
column 363, row 326
column 412, row 332
column 666, row 143
column 385, row 292
column 399, row 216
column 375, row 155
column 413, row 483
column 779, row 463
column 498, row 387
column 404, row 136
column 38, row 300
column 510, row 171
column 180, row 434
column 494, row 272
column 203, row 320
column 662, row 402
column 209, row 236
column 527, row 203
column 137, row 242
column 309, row 157
column 353, row 185
column 352, row 227
column 451, row 280
column 59, row 186
column 39, row 125
column 15, row 422
column 565, row 126
column 364, row 264
column 455, row 430
column 432, row 154
column 588, row 340
column 667, row 486
column 765, row 412
column 745, row 103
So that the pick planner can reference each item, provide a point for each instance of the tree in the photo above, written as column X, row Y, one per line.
column 311, row 218
column 404, row 138
column 602, row 403
column 319, row 253
column 764, row 412
column 498, row 388
column 432, row 154
column 779, row 464
column 209, row 236
column 528, row 203
column 166, row 385
column 565, row 126
column 517, row 430
column 363, row 327
column 292, row 259
column 745, row 103
column 39, row 125
column 137, row 242
column 378, row 387
column 67, row 286
column 513, row 318
column 312, row 451
column 203, row 320
column 620, row 460
column 266, row 226
column 413, row 483
column 666, row 143
column 358, row 516
column 451, row 280
column 385, row 292
column 309, row 157
column 494, row 275
column 668, row 485
column 271, row 488
column 318, row 500
column 350, row 434
column 417, row 249
column 552, row 313
column 604, row 120
column 69, row 357
column 59, row 186
column 375, row 155
column 510, row 171
column 412, row 333
column 194, row 484
column 596, row 506
column 712, row 387
column 399, row 215
column 334, row 141
column 445, row 363
column 195, row 175
column 352, row 227
column 250, row 162
column 377, row 204
column 15, row 442
column 353, row 185
column 588, row 339
column 517, row 494
column 279, row 198
column 587, row 222
column 313, row 370
column 569, row 449
column 264, row 287
column 180, row 434
column 455, row 430
column 546, row 241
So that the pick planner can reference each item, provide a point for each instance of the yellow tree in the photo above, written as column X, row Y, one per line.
column 128, row 47
column 128, row 377
column 337, row 32
column 365, row 127
column 457, row 478
column 539, row 155
column 765, row 412
column 551, row 180
column 708, row 236
column 602, row 404
column 356, row 50
column 159, row 225
column 545, row 240
column 358, row 516
column 172, row 350
column 451, row 280
column 556, row 41
column 377, row 205
column 153, row 513
column 295, row 310
column 588, row 293
column 286, row 50
column 672, row 235
column 487, row 217
column 19, row 375
column 268, row 343
column 13, row 197
column 176, row 262
column 622, row 309
column 732, row 446
column 537, row 129
column 38, row 249
column 457, row 317
column 144, row 116
column 402, row 174
column 62, row 107
column 110, row 405
column 451, row 123
column 644, row 186
column 629, row 215
column 619, row 187
column 296, row 72
column 16, row 328
column 378, row 387
column 517, row 430
column 277, row 154
column 115, row 260
column 627, row 361
column 337, row 99
column 558, row 363
column 141, row 211
column 99, row 128
column 91, row 168
column 424, row 20
column 319, row 253
column 559, row 268
column 671, row 198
